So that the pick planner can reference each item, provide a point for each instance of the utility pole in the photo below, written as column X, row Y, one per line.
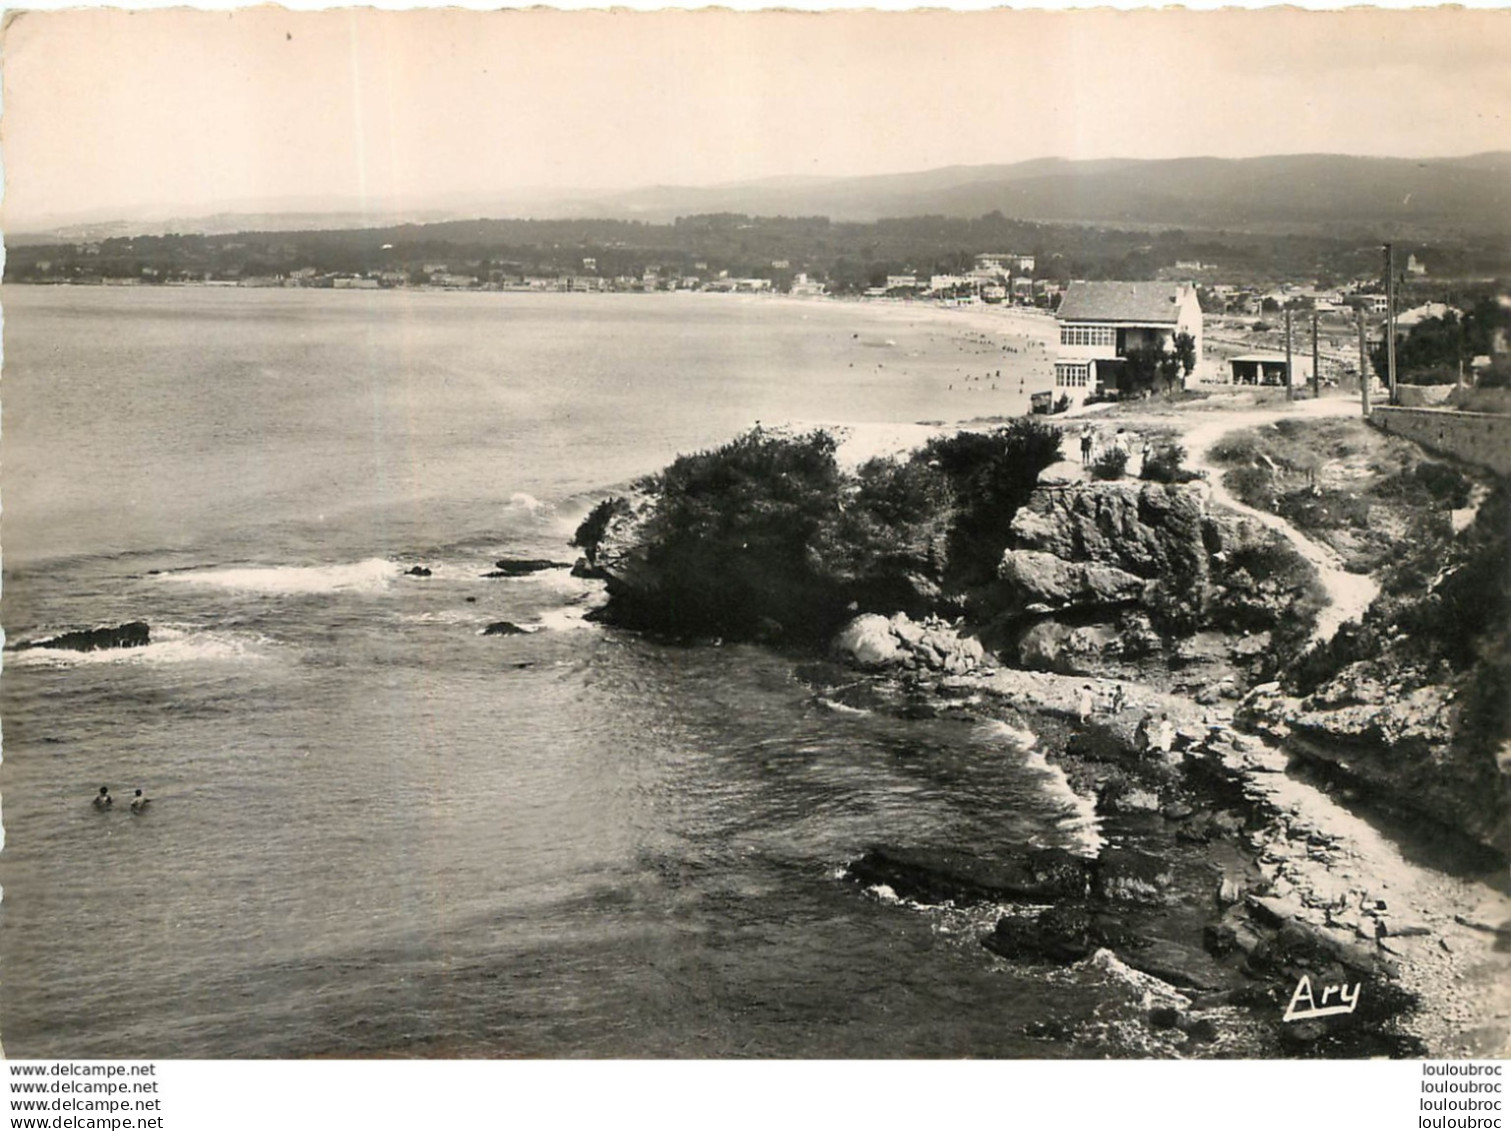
column 1316, row 363
column 1390, row 322
column 1289, row 383
column 1365, row 377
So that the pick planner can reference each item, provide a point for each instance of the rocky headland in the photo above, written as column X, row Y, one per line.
column 1165, row 650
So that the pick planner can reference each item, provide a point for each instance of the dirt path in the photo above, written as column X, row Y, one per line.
column 1450, row 935
column 1349, row 594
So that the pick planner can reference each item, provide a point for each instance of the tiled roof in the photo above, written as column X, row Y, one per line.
column 1120, row 302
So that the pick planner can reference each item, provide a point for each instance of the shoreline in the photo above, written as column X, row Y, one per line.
column 1321, row 867
column 1309, row 864
column 1445, row 925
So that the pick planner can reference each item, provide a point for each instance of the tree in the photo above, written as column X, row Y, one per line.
column 1185, row 352
column 1482, row 322
column 991, row 475
column 1433, row 348
column 1140, row 372
column 732, row 530
column 1498, row 376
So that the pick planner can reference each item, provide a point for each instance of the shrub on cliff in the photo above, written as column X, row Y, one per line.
column 1269, row 587
column 1239, row 448
column 991, row 475
column 1253, row 486
column 590, row 531
column 1111, row 464
column 1443, row 618
column 768, row 536
column 894, row 522
column 1426, row 483
column 1444, row 604
column 731, row 537
column 1166, row 463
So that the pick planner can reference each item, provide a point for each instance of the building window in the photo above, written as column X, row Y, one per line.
column 1071, row 376
column 1087, row 336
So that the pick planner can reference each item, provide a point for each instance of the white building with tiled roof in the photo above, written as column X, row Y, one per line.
column 1100, row 322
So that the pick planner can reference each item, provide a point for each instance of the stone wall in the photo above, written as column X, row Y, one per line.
column 1423, row 396
column 1475, row 437
column 1482, row 400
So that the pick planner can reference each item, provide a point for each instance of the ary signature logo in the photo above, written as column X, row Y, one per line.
column 1305, row 1005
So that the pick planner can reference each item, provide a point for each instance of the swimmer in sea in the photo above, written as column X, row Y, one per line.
column 103, row 800
column 139, row 803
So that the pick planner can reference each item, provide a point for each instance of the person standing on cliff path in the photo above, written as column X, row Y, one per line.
column 1085, row 444
column 1084, row 708
column 1164, row 735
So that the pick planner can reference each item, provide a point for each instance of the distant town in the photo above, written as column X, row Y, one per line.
column 1237, row 307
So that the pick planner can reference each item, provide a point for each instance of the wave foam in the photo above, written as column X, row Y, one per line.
column 572, row 618
column 554, row 580
column 370, row 576
column 1081, row 819
column 523, row 501
column 168, row 646
column 840, row 708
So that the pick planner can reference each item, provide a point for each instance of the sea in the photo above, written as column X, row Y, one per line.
column 376, row 831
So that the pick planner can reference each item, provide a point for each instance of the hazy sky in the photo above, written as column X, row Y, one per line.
column 174, row 110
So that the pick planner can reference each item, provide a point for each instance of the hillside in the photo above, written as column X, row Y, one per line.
column 1342, row 195
column 1261, row 193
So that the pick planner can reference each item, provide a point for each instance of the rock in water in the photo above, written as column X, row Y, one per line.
column 939, row 875
column 417, row 571
column 503, row 628
column 1062, row 934
column 1126, row 875
column 134, row 634
column 868, row 641
column 521, row 567
column 873, row 641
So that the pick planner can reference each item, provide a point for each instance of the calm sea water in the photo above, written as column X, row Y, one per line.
column 376, row 831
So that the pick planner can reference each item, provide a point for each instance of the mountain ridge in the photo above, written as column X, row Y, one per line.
column 1470, row 194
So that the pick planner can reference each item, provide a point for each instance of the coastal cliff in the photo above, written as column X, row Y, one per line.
column 979, row 578
column 769, row 539
column 1413, row 704
column 1148, row 581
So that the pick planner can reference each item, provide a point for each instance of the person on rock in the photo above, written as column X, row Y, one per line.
column 1117, row 698
column 1164, row 735
column 1084, row 708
